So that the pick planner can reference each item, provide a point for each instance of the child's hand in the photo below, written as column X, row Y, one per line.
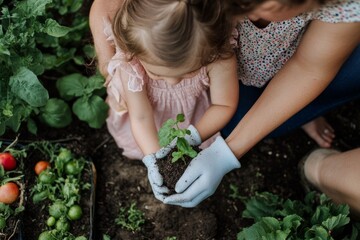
column 154, row 176
column 203, row 175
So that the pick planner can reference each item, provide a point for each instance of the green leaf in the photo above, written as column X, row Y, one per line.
column 180, row 117
column 94, row 82
column 31, row 126
column 165, row 133
column 317, row 233
column 56, row 113
column 25, row 85
column 176, row 156
column 53, row 28
column 268, row 228
column 71, row 86
column 92, row 110
column 33, row 8
column 336, row 222
column 262, row 205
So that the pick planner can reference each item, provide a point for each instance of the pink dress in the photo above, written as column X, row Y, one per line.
column 190, row 97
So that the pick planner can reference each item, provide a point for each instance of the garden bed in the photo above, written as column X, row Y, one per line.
column 37, row 214
column 270, row 166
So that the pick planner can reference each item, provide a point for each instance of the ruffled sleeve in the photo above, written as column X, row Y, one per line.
column 135, row 71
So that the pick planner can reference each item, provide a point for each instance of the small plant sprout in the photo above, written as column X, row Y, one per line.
column 130, row 218
column 169, row 131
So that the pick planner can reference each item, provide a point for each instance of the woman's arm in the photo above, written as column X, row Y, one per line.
column 224, row 95
column 322, row 51
column 100, row 10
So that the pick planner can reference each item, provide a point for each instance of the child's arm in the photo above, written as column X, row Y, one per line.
column 100, row 10
column 224, row 95
column 141, row 119
column 322, row 51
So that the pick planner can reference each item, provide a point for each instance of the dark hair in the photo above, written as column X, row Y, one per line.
column 173, row 32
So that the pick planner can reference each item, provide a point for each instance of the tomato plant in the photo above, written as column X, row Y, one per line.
column 41, row 166
column 7, row 161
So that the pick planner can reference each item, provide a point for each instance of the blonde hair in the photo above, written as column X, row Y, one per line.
column 173, row 33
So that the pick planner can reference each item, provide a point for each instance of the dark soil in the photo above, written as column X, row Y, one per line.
column 172, row 171
column 270, row 166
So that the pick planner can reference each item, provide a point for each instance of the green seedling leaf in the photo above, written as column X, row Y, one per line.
column 171, row 131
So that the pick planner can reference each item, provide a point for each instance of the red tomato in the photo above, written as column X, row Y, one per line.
column 7, row 161
column 9, row 192
column 41, row 166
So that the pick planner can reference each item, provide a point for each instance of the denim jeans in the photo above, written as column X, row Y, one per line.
column 344, row 88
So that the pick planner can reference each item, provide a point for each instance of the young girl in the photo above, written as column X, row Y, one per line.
column 171, row 57
column 298, row 59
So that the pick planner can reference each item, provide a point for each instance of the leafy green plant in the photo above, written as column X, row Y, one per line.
column 276, row 218
column 130, row 218
column 36, row 49
column 170, row 131
column 88, row 106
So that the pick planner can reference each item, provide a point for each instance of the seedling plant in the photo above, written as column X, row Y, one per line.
column 170, row 131
column 130, row 218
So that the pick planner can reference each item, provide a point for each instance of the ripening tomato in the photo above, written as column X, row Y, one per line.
column 41, row 166
column 9, row 192
column 7, row 161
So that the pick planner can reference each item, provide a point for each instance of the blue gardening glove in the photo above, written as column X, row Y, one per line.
column 204, row 174
column 193, row 139
column 154, row 176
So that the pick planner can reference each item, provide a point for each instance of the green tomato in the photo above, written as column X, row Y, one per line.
column 63, row 225
column 73, row 167
column 47, row 235
column 38, row 197
column 65, row 155
column 2, row 223
column 51, row 221
column 57, row 210
column 75, row 212
column 47, row 177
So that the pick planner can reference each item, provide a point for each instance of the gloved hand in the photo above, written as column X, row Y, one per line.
column 193, row 139
column 203, row 175
column 154, row 176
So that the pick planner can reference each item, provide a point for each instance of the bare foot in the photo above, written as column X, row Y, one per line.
column 321, row 131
